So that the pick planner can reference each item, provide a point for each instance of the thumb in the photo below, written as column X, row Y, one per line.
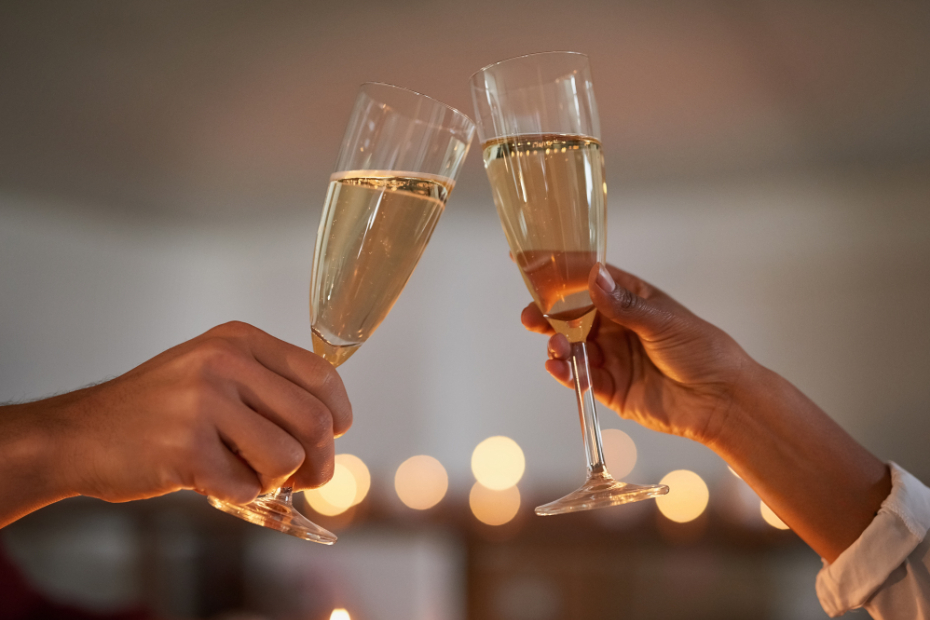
column 644, row 314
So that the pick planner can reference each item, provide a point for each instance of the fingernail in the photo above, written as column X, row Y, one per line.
column 603, row 280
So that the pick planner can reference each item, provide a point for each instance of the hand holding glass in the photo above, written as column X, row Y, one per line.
column 400, row 156
column 539, row 130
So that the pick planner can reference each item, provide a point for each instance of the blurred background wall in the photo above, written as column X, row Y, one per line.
column 162, row 170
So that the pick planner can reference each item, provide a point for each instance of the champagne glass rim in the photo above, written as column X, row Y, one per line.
column 522, row 56
column 455, row 111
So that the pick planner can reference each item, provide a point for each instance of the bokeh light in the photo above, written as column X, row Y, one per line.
column 494, row 507
column 771, row 518
column 334, row 497
column 359, row 472
column 687, row 496
column 339, row 614
column 349, row 486
column 319, row 504
column 498, row 463
column 421, row 482
column 619, row 452
column 340, row 490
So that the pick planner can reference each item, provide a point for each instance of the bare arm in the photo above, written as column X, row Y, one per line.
column 231, row 413
column 821, row 482
column 660, row 365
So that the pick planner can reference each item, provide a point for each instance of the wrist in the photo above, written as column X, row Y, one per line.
column 818, row 479
column 33, row 475
column 755, row 388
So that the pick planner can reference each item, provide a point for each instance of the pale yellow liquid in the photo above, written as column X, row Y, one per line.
column 375, row 226
column 551, row 196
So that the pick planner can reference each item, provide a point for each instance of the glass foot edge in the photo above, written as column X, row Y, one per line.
column 600, row 493
column 277, row 515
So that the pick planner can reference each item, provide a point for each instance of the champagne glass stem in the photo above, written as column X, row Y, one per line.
column 587, row 412
column 283, row 494
column 600, row 489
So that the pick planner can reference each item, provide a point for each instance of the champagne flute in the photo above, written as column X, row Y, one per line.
column 399, row 159
column 540, row 133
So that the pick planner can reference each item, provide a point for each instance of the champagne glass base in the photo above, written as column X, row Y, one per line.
column 601, row 491
column 277, row 515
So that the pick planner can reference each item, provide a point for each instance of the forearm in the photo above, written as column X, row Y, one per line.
column 30, row 477
column 813, row 474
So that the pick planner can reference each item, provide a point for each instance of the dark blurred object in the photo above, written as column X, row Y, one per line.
column 21, row 601
column 168, row 556
column 193, row 561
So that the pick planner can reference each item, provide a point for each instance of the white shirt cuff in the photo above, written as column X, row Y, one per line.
column 899, row 526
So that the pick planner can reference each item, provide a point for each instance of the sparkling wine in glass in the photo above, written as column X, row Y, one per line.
column 540, row 134
column 399, row 159
column 375, row 226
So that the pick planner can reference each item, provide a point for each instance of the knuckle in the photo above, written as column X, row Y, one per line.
column 190, row 446
column 345, row 419
column 198, row 401
column 290, row 456
column 329, row 383
column 309, row 406
column 234, row 329
column 320, row 473
column 626, row 300
column 235, row 489
column 319, row 425
column 330, row 389
column 315, row 423
column 200, row 396
column 174, row 478
column 215, row 355
column 244, row 492
column 552, row 350
column 667, row 326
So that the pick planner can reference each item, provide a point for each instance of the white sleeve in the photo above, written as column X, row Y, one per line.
column 887, row 569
